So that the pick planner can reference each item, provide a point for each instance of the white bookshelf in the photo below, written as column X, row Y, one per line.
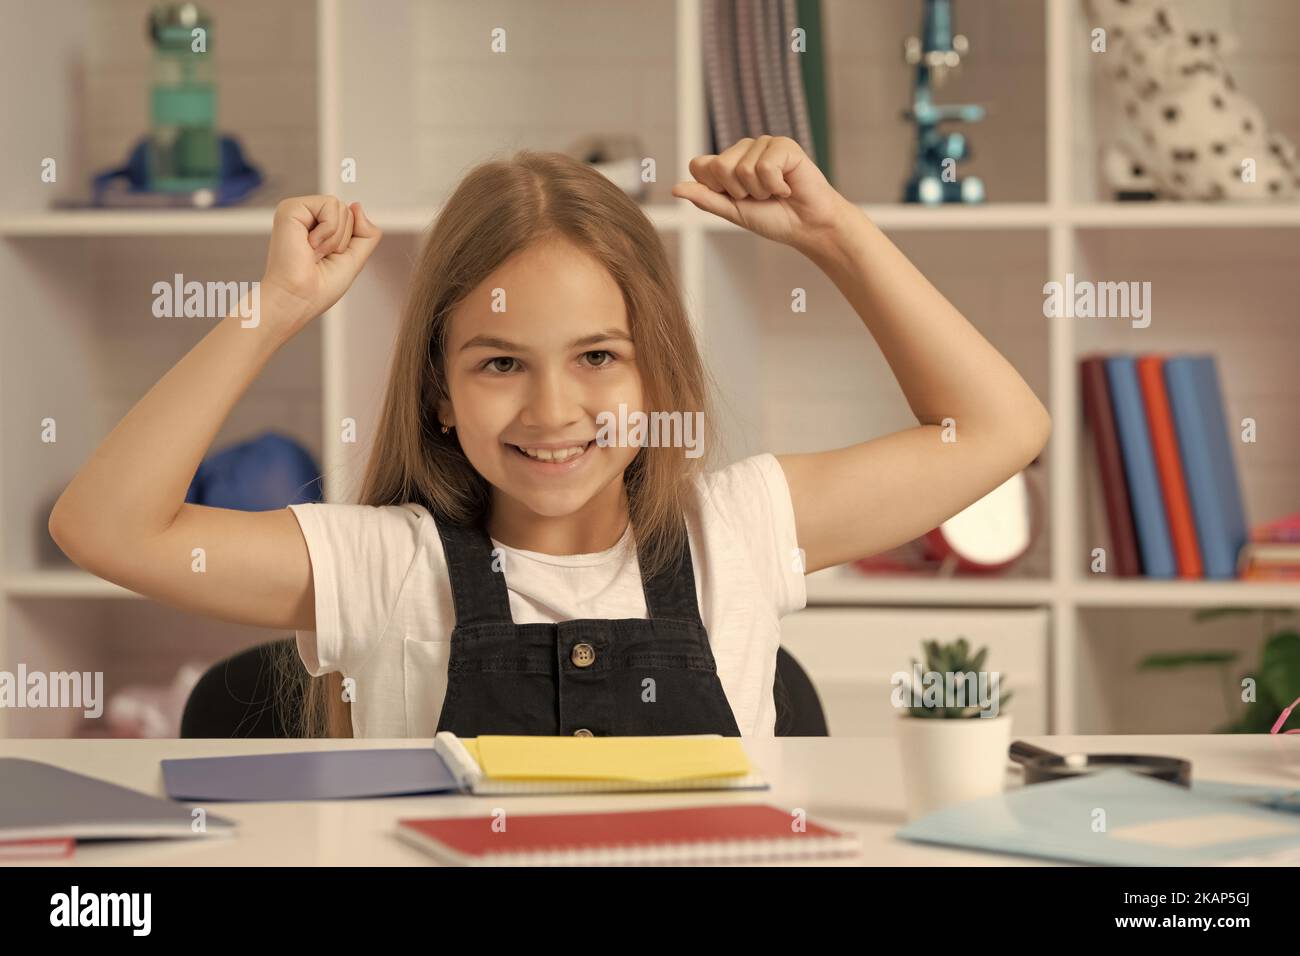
column 252, row 221
column 412, row 220
column 405, row 88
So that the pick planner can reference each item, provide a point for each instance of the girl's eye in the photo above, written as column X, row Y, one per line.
column 491, row 364
column 609, row 355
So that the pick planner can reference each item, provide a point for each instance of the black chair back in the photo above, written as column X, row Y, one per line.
column 241, row 697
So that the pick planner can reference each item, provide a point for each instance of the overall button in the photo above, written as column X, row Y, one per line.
column 582, row 655
column 583, row 732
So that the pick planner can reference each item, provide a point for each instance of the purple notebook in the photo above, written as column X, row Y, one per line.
column 309, row 775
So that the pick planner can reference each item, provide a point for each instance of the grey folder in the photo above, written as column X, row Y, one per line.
column 310, row 775
column 39, row 800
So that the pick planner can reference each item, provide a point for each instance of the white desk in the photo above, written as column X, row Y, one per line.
column 850, row 783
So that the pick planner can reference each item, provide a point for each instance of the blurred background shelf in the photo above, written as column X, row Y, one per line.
column 676, row 214
column 63, row 585
column 1190, row 215
column 842, row 586
column 1185, row 594
column 249, row 221
column 413, row 220
column 408, row 92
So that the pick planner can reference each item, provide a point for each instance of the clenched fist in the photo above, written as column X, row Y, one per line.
column 318, row 246
column 769, row 186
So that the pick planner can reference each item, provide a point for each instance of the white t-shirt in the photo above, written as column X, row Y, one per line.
column 384, row 610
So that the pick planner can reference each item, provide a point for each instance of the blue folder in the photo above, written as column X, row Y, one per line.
column 1146, row 498
column 1142, row 822
column 309, row 775
column 1202, row 428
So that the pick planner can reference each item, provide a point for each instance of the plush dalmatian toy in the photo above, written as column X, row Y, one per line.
column 1189, row 132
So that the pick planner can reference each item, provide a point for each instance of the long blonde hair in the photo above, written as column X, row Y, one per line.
column 500, row 208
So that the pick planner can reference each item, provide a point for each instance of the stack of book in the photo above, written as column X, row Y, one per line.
column 1168, row 484
column 764, row 68
column 1273, row 553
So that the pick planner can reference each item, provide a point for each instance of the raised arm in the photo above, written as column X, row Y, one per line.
column 857, row 501
column 124, row 517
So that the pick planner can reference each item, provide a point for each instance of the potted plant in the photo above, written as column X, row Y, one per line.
column 1276, row 679
column 953, row 734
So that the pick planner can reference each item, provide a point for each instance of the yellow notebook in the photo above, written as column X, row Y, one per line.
column 501, row 764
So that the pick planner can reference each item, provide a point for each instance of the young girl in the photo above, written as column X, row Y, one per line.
column 505, row 572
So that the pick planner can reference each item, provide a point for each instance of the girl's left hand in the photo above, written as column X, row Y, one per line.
column 770, row 187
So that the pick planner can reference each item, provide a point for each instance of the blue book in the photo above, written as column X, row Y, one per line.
column 309, row 775
column 1145, row 495
column 1121, row 818
column 1202, row 427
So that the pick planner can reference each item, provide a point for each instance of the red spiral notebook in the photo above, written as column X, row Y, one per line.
column 712, row 834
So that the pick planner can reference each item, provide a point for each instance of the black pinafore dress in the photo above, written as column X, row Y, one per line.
column 586, row 677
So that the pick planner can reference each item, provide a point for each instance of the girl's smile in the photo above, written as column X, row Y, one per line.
column 552, row 462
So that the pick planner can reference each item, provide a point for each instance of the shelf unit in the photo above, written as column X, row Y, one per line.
column 413, row 220
column 437, row 105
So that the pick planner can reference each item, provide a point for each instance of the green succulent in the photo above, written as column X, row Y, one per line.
column 953, row 658
column 1277, row 677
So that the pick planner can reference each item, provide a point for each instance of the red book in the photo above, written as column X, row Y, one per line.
column 711, row 834
column 42, row 848
column 1100, row 417
column 1169, row 465
column 1256, row 572
column 1283, row 530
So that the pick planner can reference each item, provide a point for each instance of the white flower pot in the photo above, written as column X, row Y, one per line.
column 947, row 761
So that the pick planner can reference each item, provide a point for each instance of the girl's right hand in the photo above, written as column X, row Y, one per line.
column 318, row 246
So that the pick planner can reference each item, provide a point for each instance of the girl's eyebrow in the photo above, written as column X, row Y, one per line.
column 492, row 342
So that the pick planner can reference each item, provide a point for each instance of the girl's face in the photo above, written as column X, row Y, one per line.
column 534, row 354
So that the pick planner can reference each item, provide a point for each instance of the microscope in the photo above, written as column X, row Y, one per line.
column 938, row 50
